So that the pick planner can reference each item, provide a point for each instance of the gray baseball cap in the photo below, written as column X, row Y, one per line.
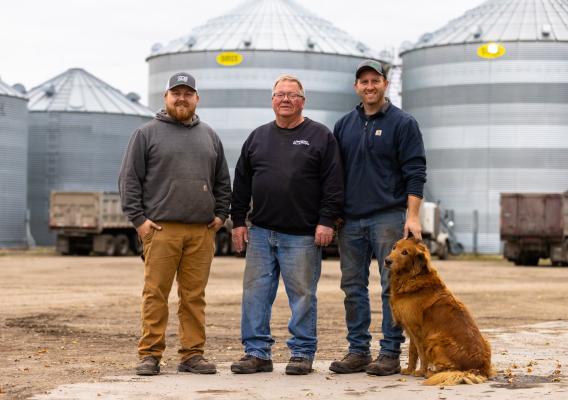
column 181, row 78
column 370, row 64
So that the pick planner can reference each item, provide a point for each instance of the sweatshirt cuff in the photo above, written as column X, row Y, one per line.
column 326, row 221
column 238, row 222
column 138, row 221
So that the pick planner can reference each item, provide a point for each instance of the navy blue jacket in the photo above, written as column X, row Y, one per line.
column 383, row 159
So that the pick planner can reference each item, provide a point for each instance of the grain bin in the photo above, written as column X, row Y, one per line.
column 79, row 129
column 490, row 91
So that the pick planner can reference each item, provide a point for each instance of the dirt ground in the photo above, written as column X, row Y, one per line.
column 76, row 319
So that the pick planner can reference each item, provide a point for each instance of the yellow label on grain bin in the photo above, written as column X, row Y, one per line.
column 229, row 59
column 491, row 50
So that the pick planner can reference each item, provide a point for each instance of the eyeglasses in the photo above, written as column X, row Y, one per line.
column 291, row 96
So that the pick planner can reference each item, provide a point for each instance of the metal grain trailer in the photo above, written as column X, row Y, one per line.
column 534, row 226
column 91, row 221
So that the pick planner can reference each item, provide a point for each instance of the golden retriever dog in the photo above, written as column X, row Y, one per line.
column 442, row 332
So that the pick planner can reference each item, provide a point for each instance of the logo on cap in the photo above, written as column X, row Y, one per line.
column 182, row 78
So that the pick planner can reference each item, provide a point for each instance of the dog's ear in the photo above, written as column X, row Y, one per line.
column 420, row 264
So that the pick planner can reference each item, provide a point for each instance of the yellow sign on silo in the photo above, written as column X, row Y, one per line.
column 491, row 50
column 229, row 59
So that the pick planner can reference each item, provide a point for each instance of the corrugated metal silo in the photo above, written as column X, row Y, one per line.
column 490, row 91
column 79, row 129
column 236, row 58
column 13, row 166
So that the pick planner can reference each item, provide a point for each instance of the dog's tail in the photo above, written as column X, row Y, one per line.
column 449, row 378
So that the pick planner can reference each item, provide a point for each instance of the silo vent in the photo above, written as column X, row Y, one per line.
column 156, row 47
column 190, row 42
column 361, row 47
column 49, row 90
column 546, row 30
column 20, row 88
column 476, row 31
column 133, row 97
column 310, row 43
column 426, row 37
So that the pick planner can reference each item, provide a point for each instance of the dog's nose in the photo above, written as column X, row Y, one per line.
column 388, row 261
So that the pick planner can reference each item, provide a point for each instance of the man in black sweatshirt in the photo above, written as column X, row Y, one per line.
column 385, row 171
column 291, row 170
column 175, row 188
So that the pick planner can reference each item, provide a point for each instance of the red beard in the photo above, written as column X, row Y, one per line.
column 180, row 113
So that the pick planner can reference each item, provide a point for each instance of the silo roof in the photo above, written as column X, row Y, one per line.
column 76, row 90
column 7, row 90
column 504, row 21
column 280, row 25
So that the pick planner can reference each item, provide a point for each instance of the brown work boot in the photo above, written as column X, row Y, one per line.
column 198, row 365
column 299, row 366
column 384, row 365
column 250, row 364
column 148, row 366
column 351, row 363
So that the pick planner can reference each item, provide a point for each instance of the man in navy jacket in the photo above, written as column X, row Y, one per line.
column 385, row 171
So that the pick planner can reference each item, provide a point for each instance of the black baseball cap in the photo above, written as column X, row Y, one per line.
column 369, row 64
column 181, row 78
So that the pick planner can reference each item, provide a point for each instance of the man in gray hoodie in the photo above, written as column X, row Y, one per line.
column 175, row 188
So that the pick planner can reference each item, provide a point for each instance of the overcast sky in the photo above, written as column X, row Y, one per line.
column 112, row 38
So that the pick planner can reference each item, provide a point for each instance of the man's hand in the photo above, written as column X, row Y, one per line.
column 324, row 235
column 413, row 226
column 216, row 224
column 146, row 227
column 240, row 238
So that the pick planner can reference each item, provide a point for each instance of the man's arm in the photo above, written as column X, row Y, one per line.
column 221, row 187
column 130, row 178
column 331, row 205
column 412, row 224
column 412, row 158
column 240, row 200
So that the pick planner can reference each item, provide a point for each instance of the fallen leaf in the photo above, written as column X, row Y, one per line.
column 402, row 379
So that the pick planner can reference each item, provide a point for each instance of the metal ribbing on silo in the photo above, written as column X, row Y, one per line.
column 13, row 167
column 271, row 37
column 76, row 150
column 492, row 125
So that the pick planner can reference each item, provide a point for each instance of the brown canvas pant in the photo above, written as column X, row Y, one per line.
column 184, row 251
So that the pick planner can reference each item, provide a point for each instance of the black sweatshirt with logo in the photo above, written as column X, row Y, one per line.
column 293, row 176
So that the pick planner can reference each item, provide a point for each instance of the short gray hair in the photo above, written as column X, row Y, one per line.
column 290, row 78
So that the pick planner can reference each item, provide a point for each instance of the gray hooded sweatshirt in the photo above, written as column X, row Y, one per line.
column 174, row 172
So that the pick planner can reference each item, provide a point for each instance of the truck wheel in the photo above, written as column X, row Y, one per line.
column 121, row 245
column 443, row 252
column 109, row 246
column 222, row 243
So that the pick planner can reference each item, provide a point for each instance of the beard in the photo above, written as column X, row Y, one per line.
column 180, row 111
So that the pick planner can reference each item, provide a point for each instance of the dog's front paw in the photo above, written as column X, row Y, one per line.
column 420, row 372
column 407, row 371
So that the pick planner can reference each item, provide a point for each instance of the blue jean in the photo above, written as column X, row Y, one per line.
column 359, row 239
column 298, row 259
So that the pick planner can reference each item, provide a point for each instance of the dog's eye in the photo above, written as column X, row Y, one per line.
column 404, row 252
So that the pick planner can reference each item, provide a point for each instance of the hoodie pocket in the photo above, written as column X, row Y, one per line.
column 190, row 197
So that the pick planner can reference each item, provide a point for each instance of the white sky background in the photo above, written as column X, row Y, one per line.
column 111, row 38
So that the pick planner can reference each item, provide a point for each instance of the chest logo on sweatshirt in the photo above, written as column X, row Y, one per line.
column 301, row 143
column 378, row 132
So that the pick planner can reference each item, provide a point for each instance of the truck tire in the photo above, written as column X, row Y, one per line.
column 222, row 243
column 121, row 245
column 527, row 259
column 109, row 246
column 443, row 251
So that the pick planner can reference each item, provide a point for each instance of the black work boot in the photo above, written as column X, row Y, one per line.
column 251, row 364
column 197, row 365
column 147, row 366
column 299, row 366
column 384, row 365
column 352, row 362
